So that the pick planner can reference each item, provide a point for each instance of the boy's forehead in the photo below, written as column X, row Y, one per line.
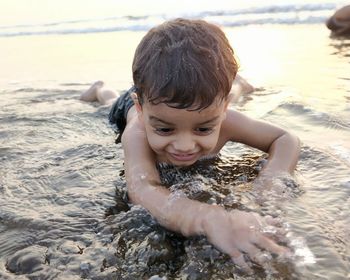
column 216, row 104
column 164, row 111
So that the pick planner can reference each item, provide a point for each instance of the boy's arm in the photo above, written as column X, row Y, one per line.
column 232, row 232
column 283, row 149
column 282, row 146
column 144, row 186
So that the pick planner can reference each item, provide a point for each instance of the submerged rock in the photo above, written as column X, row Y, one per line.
column 145, row 250
column 27, row 260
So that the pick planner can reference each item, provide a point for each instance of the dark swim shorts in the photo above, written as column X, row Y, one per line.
column 119, row 111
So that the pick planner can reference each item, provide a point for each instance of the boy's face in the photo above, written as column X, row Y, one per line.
column 179, row 136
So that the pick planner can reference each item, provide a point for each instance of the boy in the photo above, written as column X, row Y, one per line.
column 177, row 113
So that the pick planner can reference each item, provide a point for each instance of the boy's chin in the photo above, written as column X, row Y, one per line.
column 183, row 163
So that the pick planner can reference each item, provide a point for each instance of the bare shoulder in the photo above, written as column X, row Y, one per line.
column 134, row 129
column 234, row 116
column 132, row 114
column 234, row 125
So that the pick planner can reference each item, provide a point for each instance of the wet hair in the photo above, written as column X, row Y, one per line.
column 184, row 64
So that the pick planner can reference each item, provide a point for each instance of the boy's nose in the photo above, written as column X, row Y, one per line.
column 184, row 144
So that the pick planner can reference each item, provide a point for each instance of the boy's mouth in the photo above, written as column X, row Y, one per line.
column 183, row 157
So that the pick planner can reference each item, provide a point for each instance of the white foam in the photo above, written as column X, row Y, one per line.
column 302, row 253
column 340, row 151
column 291, row 12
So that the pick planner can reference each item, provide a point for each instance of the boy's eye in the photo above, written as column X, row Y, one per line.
column 164, row 130
column 204, row 130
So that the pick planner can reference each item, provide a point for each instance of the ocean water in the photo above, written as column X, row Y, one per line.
column 64, row 212
column 75, row 17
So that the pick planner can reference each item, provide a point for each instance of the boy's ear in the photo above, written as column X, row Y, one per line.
column 136, row 102
column 228, row 101
column 226, row 105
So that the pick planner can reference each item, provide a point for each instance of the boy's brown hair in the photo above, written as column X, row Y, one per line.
column 185, row 64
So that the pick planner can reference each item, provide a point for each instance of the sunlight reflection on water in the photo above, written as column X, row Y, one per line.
column 64, row 207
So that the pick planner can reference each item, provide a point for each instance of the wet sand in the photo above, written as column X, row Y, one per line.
column 64, row 213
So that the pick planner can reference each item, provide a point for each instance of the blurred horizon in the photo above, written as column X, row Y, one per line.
column 22, row 12
column 39, row 17
column 58, row 42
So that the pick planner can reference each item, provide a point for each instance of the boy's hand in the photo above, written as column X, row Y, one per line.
column 272, row 187
column 238, row 233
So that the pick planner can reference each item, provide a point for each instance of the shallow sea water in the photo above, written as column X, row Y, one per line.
column 64, row 211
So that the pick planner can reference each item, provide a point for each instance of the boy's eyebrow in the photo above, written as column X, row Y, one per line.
column 155, row 119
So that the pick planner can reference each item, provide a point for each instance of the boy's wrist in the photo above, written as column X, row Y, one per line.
column 195, row 220
column 211, row 213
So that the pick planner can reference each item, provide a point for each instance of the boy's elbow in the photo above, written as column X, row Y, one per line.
column 141, row 188
column 132, row 198
column 290, row 141
column 286, row 140
column 296, row 141
column 133, row 195
column 292, row 147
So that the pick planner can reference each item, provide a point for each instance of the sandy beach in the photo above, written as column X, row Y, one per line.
column 274, row 55
column 62, row 59
column 63, row 205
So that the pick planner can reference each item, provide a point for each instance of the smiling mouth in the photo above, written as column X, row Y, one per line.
column 184, row 157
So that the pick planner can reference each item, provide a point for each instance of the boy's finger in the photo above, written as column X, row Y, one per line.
column 273, row 231
column 269, row 245
column 273, row 221
column 256, row 255
column 238, row 259
column 280, row 235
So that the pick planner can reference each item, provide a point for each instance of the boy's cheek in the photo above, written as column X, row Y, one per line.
column 156, row 142
column 153, row 140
